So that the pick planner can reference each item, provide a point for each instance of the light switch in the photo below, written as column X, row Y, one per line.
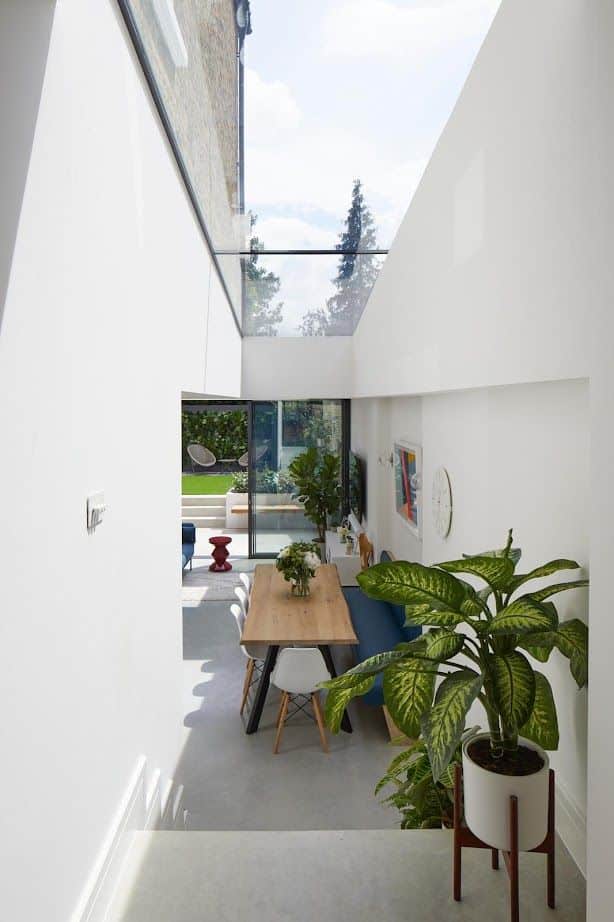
column 95, row 510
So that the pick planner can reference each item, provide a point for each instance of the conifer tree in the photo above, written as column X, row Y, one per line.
column 262, row 316
column 356, row 274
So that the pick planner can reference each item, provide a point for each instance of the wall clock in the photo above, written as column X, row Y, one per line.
column 442, row 502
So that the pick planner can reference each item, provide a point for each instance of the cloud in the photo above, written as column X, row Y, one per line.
column 271, row 110
column 313, row 175
column 381, row 28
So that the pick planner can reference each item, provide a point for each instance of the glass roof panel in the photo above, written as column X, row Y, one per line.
column 340, row 90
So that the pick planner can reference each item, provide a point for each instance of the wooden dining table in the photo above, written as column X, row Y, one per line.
column 277, row 618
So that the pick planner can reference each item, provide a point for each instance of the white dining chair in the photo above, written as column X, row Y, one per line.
column 297, row 674
column 243, row 598
column 255, row 653
column 247, row 582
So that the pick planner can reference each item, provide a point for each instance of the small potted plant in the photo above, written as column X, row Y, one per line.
column 298, row 563
column 496, row 631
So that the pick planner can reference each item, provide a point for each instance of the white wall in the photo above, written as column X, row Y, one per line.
column 295, row 368
column 104, row 325
column 517, row 457
column 492, row 271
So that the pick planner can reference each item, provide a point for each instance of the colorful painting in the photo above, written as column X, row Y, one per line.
column 407, row 474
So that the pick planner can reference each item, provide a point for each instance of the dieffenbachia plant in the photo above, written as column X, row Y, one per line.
column 477, row 644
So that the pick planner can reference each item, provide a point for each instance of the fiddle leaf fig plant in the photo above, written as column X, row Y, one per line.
column 479, row 644
column 317, row 481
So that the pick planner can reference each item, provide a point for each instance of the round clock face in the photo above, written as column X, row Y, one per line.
column 442, row 502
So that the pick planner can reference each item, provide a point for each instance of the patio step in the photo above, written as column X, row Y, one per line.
column 204, row 521
column 218, row 512
column 203, row 499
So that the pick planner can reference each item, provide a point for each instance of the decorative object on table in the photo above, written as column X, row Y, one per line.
column 506, row 621
column 318, row 485
column 407, row 484
column 442, row 502
column 366, row 551
column 344, row 534
column 298, row 563
column 465, row 838
column 220, row 553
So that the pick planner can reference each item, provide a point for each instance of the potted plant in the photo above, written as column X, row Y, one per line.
column 298, row 563
column 316, row 477
column 496, row 631
column 422, row 802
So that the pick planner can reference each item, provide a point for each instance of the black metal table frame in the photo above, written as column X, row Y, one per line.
column 265, row 680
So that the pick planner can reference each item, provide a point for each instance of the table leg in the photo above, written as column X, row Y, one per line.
column 328, row 659
column 262, row 690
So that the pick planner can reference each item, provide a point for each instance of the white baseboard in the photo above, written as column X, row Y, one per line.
column 172, row 814
column 131, row 816
column 571, row 826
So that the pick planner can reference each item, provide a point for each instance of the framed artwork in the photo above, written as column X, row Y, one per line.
column 407, row 480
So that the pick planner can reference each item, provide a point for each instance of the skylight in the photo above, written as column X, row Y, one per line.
column 345, row 101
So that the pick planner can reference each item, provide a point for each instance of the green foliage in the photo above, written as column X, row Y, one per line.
column 298, row 562
column 356, row 274
column 317, row 481
column 240, row 482
column 264, row 313
column 517, row 699
column 223, row 433
column 422, row 802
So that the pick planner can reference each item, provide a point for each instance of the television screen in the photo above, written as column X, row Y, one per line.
column 358, row 503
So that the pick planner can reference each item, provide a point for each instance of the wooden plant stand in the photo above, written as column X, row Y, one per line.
column 464, row 838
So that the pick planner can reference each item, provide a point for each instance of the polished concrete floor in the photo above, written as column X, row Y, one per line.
column 233, row 781
column 349, row 876
column 299, row 836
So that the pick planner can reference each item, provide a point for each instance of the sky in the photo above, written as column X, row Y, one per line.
column 343, row 89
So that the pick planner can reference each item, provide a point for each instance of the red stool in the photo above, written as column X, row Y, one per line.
column 220, row 553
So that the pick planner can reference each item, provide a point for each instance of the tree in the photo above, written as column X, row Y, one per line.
column 262, row 316
column 356, row 274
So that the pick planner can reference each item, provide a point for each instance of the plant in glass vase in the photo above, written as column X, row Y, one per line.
column 496, row 631
column 298, row 563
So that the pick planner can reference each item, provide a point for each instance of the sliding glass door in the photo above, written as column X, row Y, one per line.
column 279, row 432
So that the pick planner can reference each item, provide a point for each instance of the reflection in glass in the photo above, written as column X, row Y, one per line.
column 191, row 49
column 308, row 295
column 282, row 430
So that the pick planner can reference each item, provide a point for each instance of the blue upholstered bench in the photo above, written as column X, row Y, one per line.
column 379, row 626
column 188, row 540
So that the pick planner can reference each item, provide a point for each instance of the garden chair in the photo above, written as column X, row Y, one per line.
column 200, row 456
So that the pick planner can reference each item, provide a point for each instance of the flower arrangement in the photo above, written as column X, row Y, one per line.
column 298, row 562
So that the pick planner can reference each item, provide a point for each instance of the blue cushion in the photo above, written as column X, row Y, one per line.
column 188, row 533
column 378, row 630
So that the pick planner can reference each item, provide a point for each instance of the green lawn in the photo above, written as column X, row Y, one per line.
column 205, row 483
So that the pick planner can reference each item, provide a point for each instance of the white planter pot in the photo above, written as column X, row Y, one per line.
column 487, row 801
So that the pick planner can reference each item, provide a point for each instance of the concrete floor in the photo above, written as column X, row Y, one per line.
column 233, row 781
column 299, row 836
column 355, row 876
column 267, row 542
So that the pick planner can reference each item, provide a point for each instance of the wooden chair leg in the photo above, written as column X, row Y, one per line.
column 282, row 720
column 279, row 712
column 249, row 672
column 315, row 700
